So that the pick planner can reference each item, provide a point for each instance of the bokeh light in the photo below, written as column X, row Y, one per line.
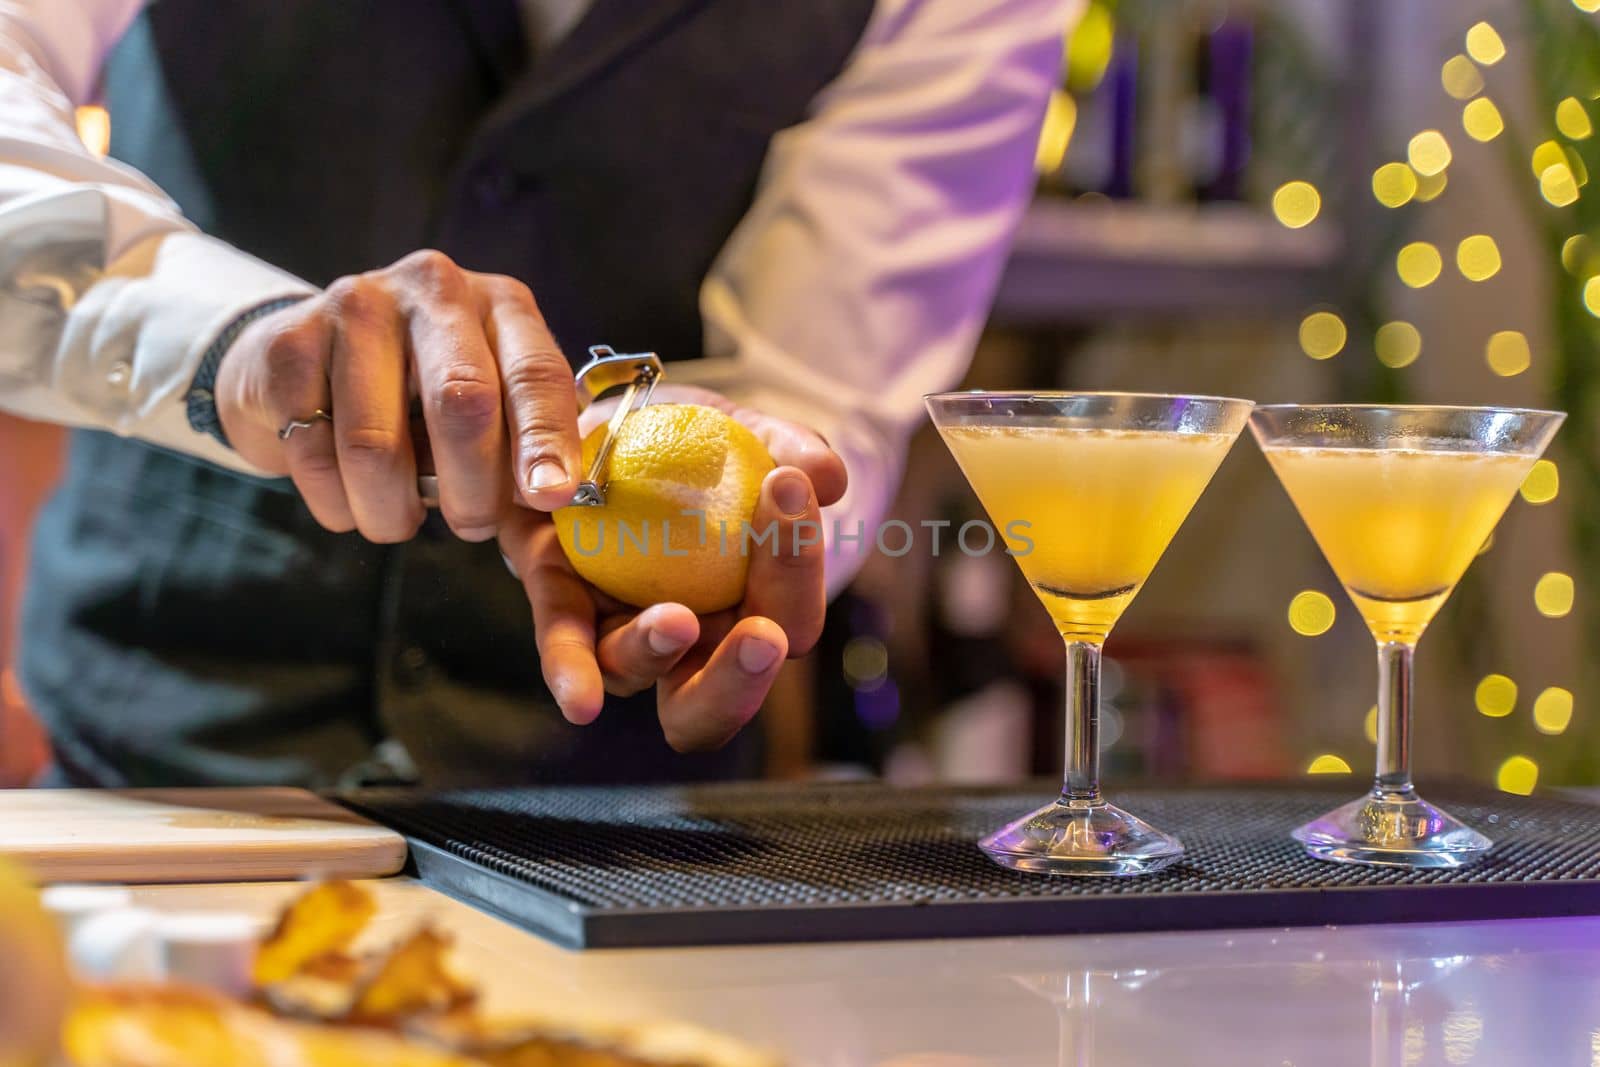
column 1398, row 344
column 1484, row 44
column 94, row 128
column 1328, row 763
column 1547, row 155
column 1557, row 185
column 1588, row 7
column 1311, row 613
column 1553, row 594
column 1496, row 696
column 1418, row 264
column 1370, row 726
column 1507, row 353
column 1428, row 153
column 1488, row 543
column 1591, row 296
column 1552, row 710
column 1060, row 119
column 1089, row 47
column 1296, row 204
column 1482, row 120
column 1576, row 252
column 1542, row 483
column 1572, row 120
column 866, row 662
column 1429, row 186
column 1394, row 184
column 1478, row 257
column 1518, row 775
column 1322, row 335
column 1460, row 77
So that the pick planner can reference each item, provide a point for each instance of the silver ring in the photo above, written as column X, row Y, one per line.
column 303, row 424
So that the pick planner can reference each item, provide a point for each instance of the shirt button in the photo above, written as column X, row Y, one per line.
column 495, row 187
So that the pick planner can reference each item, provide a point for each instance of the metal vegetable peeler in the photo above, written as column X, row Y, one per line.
column 638, row 373
column 635, row 373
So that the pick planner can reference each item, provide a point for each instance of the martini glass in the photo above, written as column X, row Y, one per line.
column 1399, row 499
column 1087, row 489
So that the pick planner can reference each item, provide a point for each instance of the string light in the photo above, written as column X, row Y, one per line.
column 1542, row 483
column 1478, row 258
column 1484, row 44
column 1460, row 77
column 1328, row 763
column 1322, row 335
column 1553, row 595
column 1552, row 710
column 1574, row 161
column 1311, row 613
column 1429, row 186
column 1397, row 344
column 1296, row 204
column 1591, row 296
column 1089, row 48
column 1572, row 120
column 1418, row 264
column 1428, row 153
column 1518, row 775
column 1370, row 727
column 1507, row 353
column 1557, row 185
column 1482, row 120
column 1394, row 184
column 1588, row 7
column 1496, row 696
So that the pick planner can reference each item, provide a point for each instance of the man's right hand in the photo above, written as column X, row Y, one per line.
column 496, row 395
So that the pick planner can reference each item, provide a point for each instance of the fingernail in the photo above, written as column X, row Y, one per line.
column 547, row 474
column 663, row 644
column 792, row 493
column 757, row 656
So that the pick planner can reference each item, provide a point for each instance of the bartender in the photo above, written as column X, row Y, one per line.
column 812, row 201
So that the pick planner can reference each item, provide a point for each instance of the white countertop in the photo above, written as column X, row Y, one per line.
column 1499, row 994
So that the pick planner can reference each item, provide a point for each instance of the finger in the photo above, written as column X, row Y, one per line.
column 459, row 386
column 541, row 405
column 704, row 708
column 563, row 614
column 371, row 426
column 296, row 362
column 637, row 650
column 793, row 445
column 786, row 581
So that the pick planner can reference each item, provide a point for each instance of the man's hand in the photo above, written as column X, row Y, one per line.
column 495, row 391
column 711, row 673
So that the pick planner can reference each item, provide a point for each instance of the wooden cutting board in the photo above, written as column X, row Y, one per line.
column 191, row 835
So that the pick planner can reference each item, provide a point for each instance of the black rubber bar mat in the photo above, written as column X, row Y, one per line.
column 730, row 864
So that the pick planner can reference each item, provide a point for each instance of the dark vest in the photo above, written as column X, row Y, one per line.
column 184, row 624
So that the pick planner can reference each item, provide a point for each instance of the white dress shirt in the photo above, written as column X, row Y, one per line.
column 858, row 280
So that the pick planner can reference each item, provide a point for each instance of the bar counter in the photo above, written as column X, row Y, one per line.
column 1492, row 993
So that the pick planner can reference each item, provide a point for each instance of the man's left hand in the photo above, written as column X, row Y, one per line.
column 711, row 672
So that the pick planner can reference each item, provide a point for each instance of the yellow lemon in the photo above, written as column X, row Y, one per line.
column 33, row 973
column 681, row 488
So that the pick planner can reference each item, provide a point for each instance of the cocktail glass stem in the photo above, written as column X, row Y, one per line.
column 1080, row 783
column 1392, row 825
column 1394, row 719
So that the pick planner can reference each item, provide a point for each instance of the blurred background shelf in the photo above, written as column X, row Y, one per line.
column 1079, row 262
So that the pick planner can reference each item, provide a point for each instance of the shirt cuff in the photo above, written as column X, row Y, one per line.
column 165, row 302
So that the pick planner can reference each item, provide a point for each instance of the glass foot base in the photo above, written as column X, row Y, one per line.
column 1081, row 839
column 1394, row 830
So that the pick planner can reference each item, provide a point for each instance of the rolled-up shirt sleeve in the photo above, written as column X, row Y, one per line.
column 108, row 296
column 863, row 273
